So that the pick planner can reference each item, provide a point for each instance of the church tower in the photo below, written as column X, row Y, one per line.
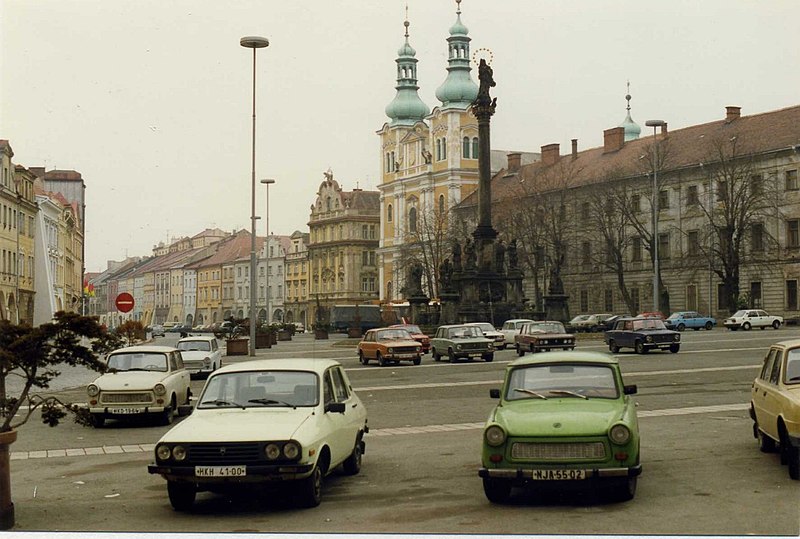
column 429, row 162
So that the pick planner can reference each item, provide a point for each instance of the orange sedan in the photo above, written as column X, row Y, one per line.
column 389, row 345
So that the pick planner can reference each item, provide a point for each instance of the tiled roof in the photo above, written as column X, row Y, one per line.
column 229, row 249
column 363, row 200
column 686, row 147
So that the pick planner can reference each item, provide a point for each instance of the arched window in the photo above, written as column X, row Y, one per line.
column 412, row 220
column 444, row 148
column 475, row 148
column 438, row 149
column 465, row 148
column 389, row 213
column 328, row 204
column 441, row 204
column 388, row 162
column 389, row 290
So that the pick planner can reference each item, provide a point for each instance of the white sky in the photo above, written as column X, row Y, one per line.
column 151, row 100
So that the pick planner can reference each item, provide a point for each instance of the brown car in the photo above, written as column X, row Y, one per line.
column 389, row 345
column 416, row 334
column 542, row 337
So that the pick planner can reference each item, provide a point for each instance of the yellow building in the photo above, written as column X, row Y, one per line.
column 296, row 302
column 429, row 164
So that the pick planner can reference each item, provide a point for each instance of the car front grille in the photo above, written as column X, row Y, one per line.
column 404, row 349
column 558, row 451
column 193, row 363
column 220, row 454
column 473, row 346
column 126, row 398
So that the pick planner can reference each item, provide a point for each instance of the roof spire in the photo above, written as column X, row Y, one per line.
column 406, row 108
column 458, row 90
column 458, row 7
column 406, row 23
column 632, row 129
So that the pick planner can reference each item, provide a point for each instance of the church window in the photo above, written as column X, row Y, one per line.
column 328, row 204
column 438, row 149
column 412, row 220
column 465, row 148
column 475, row 147
column 389, row 213
column 441, row 204
column 444, row 148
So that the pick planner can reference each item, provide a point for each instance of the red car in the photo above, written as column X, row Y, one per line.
column 417, row 335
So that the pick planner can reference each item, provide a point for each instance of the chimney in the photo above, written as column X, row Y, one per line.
column 732, row 113
column 550, row 154
column 574, row 148
column 664, row 129
column 514, row 161
column 613, row 139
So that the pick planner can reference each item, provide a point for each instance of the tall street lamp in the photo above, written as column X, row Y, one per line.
column 268, row 182
column 654, row 124
column 253, row 42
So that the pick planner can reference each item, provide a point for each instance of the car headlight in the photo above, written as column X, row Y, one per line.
column 619, row 434
column 418, row 348
column 163, row 452
column 291, row 450
column 179, row 453
column 92, row 390
column 495, row 435
column 490, row 346
column 458, row 347
column 206, row 361
column 677, row 337
column 159, row 389
column 272, row 451
column 390, row 350
column 649, row 338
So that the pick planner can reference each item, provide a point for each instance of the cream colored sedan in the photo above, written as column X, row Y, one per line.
column 775, row 404
column 141, row 380
column 285, row 422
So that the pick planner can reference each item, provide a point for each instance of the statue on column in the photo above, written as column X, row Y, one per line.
column 469, row 252
column 513, row 261
column 456, row 256
column 500, row 256
column 486, row 78
column 414, row 287
column 445, row 276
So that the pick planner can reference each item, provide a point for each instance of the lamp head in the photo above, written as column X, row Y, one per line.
column 254, row 42
column 268, row 181
column 655, row 123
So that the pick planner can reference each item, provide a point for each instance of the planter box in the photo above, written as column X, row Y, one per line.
column 320, row 334
column 284, row 335
column 354, row 333
column 237, row 347
column 263, row 341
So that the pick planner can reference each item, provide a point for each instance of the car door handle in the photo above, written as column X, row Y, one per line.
column 354, row 405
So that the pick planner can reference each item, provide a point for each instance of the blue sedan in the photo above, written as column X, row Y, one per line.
column 690, row 320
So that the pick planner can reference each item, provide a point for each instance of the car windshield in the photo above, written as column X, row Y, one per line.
column 393, row 335
column 412, row 329
column 648, row 323
column 485, row 326
column 191, row 346
column 579, row 318
column 547, row 327
column 138, row 361
column 261, row 388
column 739, row 314
column 792, row 371
column 563, row 380
column 464, row 332
column 675, row 316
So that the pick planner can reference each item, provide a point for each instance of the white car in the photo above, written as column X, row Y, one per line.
column 511, row 328
column 589, row 322
column 201, row 353
column 141, row 380
column 490, row 332
column 288, row 422
column 752, row 318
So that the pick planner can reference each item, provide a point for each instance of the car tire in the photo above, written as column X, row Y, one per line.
column 168, row 415
column 352, row 464
column 98, row 421
column 436, row 356
column 497, row 490
column 624, row 489
column 181, row 495
column 639, row 347
column 612, row 347
column 381, row 360
column 417, row 360
column 361, row 359
column 681, row 326
column 746, row 326
column 708, row 326
column 488, row 358
column 776, row 324
column 309, row 490
column 520, row 351
column 765, row 443
column 793, row 455
column 451, row 355
column 674, row 348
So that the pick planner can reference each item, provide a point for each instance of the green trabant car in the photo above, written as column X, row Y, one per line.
column 461, row 341
column 563, row 418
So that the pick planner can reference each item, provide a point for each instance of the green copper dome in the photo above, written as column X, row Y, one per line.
column 458, row 90
column 632, row 129
column 406, row 108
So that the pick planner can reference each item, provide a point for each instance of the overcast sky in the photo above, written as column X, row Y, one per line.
column 151, row 100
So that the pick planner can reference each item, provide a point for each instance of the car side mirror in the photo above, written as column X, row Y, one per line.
column 630, row 390
column 494, row 393
column 335, row 407
column 185, row 409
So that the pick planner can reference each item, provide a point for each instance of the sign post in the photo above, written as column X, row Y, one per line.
column 124, row 302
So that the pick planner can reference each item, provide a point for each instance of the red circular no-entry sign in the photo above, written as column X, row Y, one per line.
column 124, row 302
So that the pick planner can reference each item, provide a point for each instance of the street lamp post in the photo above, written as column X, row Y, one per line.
column 253, row 42
column 267, row 182
column 654, row 124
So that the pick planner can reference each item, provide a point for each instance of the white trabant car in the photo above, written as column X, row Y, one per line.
column 285, row 422
column 141, row 380
column 490, row 332
column 201, row 353
column 752, row 318
column 511, row 328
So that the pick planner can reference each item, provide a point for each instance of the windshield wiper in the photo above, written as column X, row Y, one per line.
column 220, row 402
column 271, row 401
column 567, row 392
column 530, row 392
